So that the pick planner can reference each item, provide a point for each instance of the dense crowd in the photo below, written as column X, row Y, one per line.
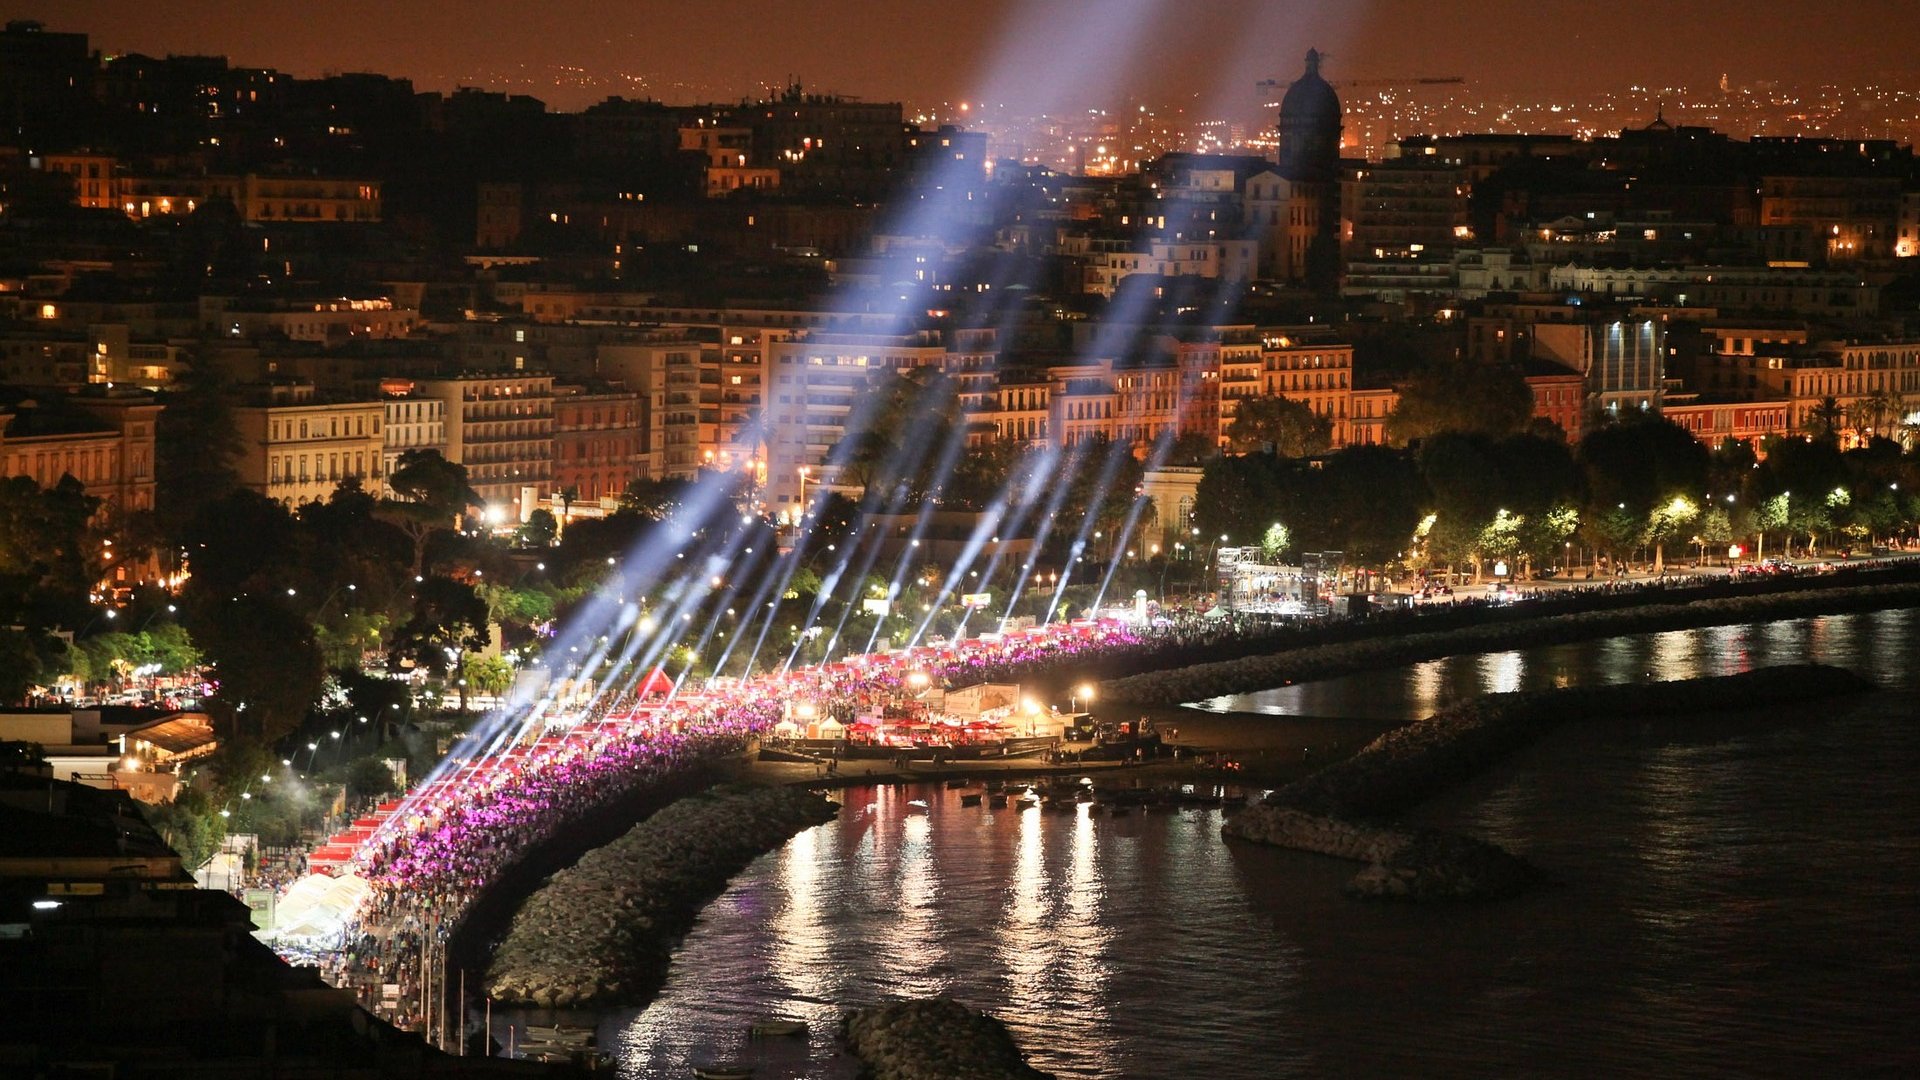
column 460, row 831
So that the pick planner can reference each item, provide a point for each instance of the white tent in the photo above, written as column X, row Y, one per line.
column 317, row 906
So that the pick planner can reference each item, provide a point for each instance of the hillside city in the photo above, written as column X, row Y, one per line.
column 331, row 410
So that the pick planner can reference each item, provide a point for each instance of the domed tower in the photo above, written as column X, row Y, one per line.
column 1310, row 127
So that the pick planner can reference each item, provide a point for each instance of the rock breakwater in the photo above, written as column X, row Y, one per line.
column 1337, row 811
column 937, row 1039
column 601, row 931
column 1250, row 673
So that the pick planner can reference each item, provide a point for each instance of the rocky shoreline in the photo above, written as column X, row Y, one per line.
column 936, row 1039
column 1175, row 687
column 601, row 932
column 1341, row 809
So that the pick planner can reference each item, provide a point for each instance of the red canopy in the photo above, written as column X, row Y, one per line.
column 656, row 683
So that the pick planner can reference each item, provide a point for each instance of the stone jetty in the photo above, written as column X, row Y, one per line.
column 600, row 932
column 1251, row 673
column 1343, row 810
column 937, row 1039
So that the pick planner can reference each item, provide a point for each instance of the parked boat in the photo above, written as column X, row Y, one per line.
column 768, row 1029
column 723, row 1072
column 916, row 806
column 971, row 798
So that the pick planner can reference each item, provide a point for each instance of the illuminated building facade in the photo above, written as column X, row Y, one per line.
column 500, row 426
column 299, row 446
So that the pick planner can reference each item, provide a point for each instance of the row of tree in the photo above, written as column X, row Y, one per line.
column 1638, row 486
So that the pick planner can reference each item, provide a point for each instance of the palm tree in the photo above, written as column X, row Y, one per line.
column 1879, row 413
column 1824, row 421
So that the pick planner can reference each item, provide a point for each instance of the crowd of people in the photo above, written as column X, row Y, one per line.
column 458, row 832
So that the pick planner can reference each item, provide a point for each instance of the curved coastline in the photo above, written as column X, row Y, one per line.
column 1341, row 809
column 1247, row 674
column 601, row 932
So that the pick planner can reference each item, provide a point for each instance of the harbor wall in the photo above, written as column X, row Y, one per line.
column 1342, row 810
column 1252, row 673
column 601, row 932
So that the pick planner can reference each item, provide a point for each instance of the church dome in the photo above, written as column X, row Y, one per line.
column 1311, row 98
column 1309, row 127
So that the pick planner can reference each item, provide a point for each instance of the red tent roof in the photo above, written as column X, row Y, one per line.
column 656, row 682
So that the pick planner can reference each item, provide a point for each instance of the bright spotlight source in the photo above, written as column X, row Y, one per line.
column 45, row 905
column 496, row 515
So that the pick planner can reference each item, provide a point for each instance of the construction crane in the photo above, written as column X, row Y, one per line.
column 1271, row 89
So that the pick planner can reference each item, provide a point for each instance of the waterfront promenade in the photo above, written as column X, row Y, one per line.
column 428, row 857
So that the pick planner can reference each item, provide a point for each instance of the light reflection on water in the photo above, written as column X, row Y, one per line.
column 1732, row 902
column 1087, row 934
column 1418, row 690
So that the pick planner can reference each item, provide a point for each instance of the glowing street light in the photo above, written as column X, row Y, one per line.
column 1083, row 692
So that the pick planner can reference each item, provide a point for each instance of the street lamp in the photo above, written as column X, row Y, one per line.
column 1084, row 690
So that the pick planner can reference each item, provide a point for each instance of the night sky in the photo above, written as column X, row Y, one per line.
column 1033, row 55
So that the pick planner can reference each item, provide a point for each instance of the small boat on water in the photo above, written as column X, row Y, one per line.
column 769, row 1029
column 723, row 1072
column 916, row 806
column 953, row 785
column 1026, row 802
column 971, row 798
column 561, row 1033
column 997, row 800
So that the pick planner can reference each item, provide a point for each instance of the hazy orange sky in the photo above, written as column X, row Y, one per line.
column 1037, row 54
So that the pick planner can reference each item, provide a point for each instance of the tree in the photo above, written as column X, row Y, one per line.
column 1192, row 449
column 487, row 675
column 189, row 825
column 894, row 444
column 196, row 442
column 1462, row 472
column 1274, row 543
column 1642, row 462
column 1103, row 481
column 266, row 664
column 1463, row 398
column 1290, row 428
column 1238, row 496
column 430, row 492
column 1824, row 422
column 1371, row 498
column 21, row 668
column 1644, row 478
column 1713, row 531
column 983, row 474
column 49, row 554
column 449, row 620
column 653, row 500
column 368, row 778
column 539, row 530
column 1879, row 413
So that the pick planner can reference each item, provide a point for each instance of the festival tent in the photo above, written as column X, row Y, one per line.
column 656, row 683
column 318, row 906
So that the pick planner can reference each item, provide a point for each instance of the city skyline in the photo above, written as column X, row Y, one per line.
column 1028, row 58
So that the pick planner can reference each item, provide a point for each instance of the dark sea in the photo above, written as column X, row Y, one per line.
column 1735, row 895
